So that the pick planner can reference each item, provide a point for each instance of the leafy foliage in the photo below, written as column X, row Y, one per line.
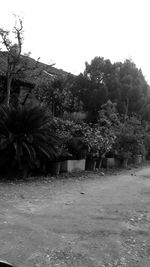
column 72, row 139
column 93, row 140
column 130, row 138
column 25, row 137
column 122, row 83
column 57, row 96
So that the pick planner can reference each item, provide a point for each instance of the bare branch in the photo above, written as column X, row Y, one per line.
column 18, row 31
column 14, row 53
column 4, row 34
column 50, row 74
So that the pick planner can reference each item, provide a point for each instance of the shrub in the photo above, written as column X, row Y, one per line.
column 72, row 139
column 130, row 138
column 99, row 139
column 25, row 138
column 77, row 147
column 81, row 139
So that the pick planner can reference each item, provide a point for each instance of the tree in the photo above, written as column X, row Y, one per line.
column 96, row 74
column 98, row 70
column 91, row 94
column 18, row 66
column 26, row 138
column 133, row 88
column 130, row 140
column 57, row 95
column 122, row 83
column 13, row 55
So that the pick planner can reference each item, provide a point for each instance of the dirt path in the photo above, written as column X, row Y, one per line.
column 95, row 222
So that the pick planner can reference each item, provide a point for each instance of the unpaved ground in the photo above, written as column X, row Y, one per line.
column 94, row 222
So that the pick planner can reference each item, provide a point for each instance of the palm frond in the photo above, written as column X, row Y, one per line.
column 26, row 131
column 30, row 151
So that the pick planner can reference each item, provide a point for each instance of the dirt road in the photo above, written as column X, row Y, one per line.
column 94, row 222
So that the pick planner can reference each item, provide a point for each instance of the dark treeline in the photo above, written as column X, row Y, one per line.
column 122, row 83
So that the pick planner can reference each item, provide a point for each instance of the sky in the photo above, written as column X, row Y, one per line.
column 71, row 32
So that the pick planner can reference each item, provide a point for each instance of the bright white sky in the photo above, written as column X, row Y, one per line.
column 70, row 32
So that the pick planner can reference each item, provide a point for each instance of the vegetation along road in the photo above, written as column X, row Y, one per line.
column 85, row 221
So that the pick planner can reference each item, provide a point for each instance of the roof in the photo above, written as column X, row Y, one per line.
column 30, row 70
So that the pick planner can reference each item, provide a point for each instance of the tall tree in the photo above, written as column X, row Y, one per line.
column 91, row 86
column 122, row 83
column 13, row 53
column 133, row 87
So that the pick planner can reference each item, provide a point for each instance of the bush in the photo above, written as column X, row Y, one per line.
column 81, row 139
column 77, row 147
column 25, row 138
column 130, row 139
column 99, row 139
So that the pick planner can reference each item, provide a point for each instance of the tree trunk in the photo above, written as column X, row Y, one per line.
column 127, row 108
column 99, row 163
column 125, row 163
column 9, row 81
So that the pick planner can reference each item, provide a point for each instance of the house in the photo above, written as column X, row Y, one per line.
column 28, row 74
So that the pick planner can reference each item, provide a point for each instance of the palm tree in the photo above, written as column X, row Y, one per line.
column 26, row 138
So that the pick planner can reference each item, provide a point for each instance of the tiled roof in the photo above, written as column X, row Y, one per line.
column 33, row 71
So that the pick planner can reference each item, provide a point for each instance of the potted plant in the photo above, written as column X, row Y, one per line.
column 91, row 160
column 93, row 139
column 124, row 156
column 100, row 140
column 72, row 137
column 124, row 147
column 77, row 150
column 109, row 161
column 54, row 165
